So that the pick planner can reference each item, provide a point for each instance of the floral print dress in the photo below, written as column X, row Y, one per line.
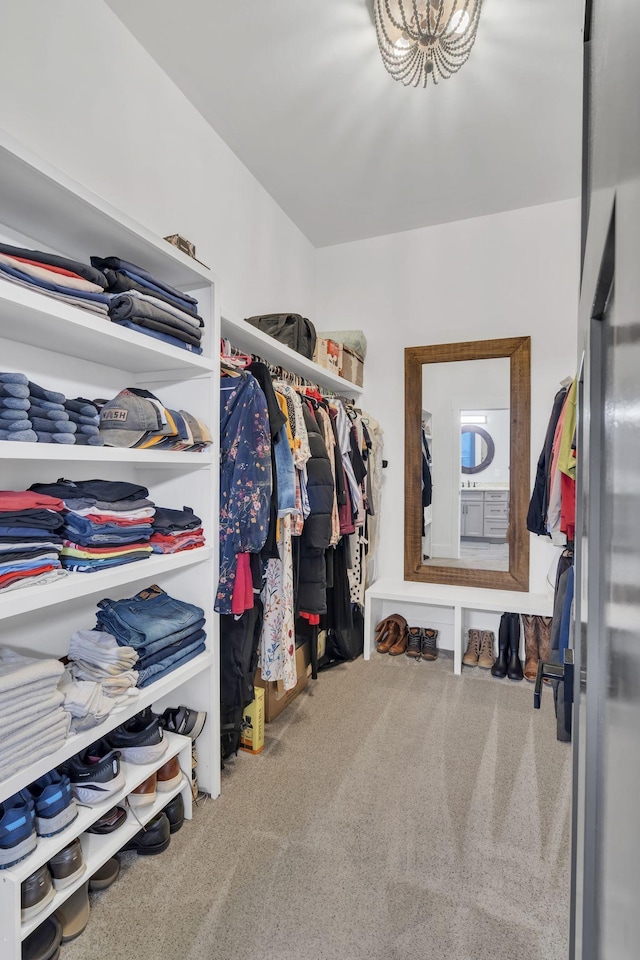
column 245, row 477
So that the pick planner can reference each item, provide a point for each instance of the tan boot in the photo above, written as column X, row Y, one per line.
column 486, row 658
column 544, row 637
column 390, row 632
column 531, row 646
column 401, row 636
column 470, row 658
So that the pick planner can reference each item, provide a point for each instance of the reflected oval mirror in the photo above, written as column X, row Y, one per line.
column 477, row 449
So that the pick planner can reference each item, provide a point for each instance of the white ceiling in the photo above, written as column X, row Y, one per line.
column 298, row 91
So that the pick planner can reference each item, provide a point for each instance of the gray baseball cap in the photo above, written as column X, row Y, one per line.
column 126, row 419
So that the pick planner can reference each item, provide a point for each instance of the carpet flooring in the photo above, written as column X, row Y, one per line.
column 397, row 813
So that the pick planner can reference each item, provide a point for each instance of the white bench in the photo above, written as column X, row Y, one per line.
column 451, row 610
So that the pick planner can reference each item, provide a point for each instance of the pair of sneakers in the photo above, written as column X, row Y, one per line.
column 42, row 809
column 422, row 643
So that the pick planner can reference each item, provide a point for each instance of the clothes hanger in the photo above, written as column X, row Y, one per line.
column 566, row 382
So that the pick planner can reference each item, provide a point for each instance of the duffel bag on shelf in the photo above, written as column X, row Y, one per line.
column 289, row 328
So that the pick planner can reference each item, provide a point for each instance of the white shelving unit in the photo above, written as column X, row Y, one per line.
column 65, row 348
column 248, row 338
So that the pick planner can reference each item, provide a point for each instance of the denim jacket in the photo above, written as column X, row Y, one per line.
column 245, row 477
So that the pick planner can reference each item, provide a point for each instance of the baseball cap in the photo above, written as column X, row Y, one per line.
column 126, row 419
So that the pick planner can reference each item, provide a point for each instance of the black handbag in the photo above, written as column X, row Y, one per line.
column 294, row 331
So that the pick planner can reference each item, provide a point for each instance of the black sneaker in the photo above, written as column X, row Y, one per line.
column 414, row 643
column 141, row 739
column 182, row 720
column 95, row 773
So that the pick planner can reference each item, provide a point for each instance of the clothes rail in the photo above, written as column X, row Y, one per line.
column 280, row 373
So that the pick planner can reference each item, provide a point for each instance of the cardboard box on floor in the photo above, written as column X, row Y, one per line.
column 276, row 698
column 252, row 737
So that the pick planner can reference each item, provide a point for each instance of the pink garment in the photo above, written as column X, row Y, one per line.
column 242, row 598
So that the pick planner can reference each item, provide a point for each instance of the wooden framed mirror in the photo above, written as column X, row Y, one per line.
column 465, row 511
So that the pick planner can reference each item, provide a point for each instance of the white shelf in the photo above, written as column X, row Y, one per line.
column 75, row 585
column 248, row 338
column 79, row 741
column 56, row 452
column 42, row 202
column 27, row 316
column 96, row 849
column 471, row 598
column 134, row 774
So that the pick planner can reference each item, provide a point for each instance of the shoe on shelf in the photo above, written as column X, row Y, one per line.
column 109, row 821
column 429, row 648
column 17, row 829
column 95, row 773
column 107, row 874
column 67, row 865
column 152, row 839
column 175, row 813
column 414, row 643
column 145, row 793
column 486, row 657
column 183, row 720
column 73, row 915
column 169, row 775
column 141, row 739
column 53, row 800
column 36, row 892
column 472, row 652
column 44, row 942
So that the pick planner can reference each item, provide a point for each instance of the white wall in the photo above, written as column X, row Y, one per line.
column 82, row 92
column 498, row 426
column 511, row 274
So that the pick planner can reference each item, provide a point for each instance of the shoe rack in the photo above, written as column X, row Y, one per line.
column 65, row 348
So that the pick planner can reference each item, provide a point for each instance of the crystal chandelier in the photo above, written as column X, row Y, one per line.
column 419, row 39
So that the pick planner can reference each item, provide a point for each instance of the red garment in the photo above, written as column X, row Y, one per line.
column 242, row 598
column 121, row 548
column 49, row 266
column 125, row 522
column 313, row 618
column 169, row 538
column 28, row 500
column 568, row 507
column 14, row 576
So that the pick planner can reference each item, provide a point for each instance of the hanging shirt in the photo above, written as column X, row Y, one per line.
column 245, row 478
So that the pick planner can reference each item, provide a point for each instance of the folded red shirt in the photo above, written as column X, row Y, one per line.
column 28, row 500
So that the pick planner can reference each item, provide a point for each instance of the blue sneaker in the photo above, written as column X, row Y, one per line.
column 54, row 804
column 17, row 830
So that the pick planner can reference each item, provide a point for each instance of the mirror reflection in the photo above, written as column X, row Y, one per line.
column 465, row 464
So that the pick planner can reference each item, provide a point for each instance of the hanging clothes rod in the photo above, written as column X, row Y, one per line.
column 228, row 350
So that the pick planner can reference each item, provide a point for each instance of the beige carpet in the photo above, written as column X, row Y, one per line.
column 397, row 813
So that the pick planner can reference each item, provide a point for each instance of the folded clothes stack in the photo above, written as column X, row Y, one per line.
column 97, row 656
column 33, row 721
column 30, row 538
column 176, row 530
column 137, row 418
column 50, row 420
column 149, row 306
column 107, row 523
column 165, row 633
column 57, row 277
column 14, row 408
column 86, row 702
column 86, row 417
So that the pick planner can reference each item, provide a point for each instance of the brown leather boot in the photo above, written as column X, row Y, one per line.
column 543, row 625
column 414, row 643
column 486, row 658
column 470, row 658
column 401, row 636
column 395, row 626
column 531, row 646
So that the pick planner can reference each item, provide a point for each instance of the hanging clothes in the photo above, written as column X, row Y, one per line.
column 245, row 478
column 539, row 505
column 316, row 535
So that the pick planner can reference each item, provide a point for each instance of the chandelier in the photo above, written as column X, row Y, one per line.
column 419, row 39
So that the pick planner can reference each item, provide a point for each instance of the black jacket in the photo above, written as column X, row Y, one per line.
column 539, row 504
column 316, row 534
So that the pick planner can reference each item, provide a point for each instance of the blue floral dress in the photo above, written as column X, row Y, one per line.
column 245, row 477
